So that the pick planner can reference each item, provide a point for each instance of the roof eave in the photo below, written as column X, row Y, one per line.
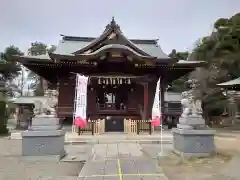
column 26, row 59
column 231, row 83
column 194, row 64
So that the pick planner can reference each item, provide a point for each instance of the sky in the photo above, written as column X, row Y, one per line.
column 178, row 24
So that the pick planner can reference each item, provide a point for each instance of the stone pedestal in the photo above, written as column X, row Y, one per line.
column 192, row 138
column 43, row 138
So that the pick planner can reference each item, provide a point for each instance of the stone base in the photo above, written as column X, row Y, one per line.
column 189, row 142
column 40, row 120
column 41, row 143
column 191, row 120
column 45, row 123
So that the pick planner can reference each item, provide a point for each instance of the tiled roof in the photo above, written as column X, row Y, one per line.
column 70, row 45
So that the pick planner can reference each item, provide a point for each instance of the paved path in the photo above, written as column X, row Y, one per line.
column 120, row 161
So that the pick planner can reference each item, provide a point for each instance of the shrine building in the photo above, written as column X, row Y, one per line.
column 123, row 75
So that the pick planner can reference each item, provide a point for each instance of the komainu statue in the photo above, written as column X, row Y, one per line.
column 191, row 105
column 38, row 109
column 52, row 100
column 47, row 106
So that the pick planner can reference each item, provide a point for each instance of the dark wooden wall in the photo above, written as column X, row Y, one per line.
column 66, row 97
column 135, row 100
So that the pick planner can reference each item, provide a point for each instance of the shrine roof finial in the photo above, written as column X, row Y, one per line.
column 113, row 24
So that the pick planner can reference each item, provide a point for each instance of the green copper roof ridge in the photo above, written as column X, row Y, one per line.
column 89, row 39
column 231, row 82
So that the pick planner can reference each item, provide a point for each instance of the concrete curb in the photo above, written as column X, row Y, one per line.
column 225, row 136
column 76, row 140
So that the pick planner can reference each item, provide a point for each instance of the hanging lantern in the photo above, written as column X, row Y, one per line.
column 99, row 81
column 129, row 81
column 120, row 81
column 113, row 81
column 107, row 81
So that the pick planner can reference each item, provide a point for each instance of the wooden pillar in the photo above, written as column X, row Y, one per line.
column 145, row 101
column 162, row 90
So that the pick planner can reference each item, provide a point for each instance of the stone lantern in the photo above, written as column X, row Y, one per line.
column 233, row 92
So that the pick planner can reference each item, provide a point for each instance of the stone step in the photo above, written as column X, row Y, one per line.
column 114, row 141
column 16, row 135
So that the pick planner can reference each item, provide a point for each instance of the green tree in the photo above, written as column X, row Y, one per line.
column 227, row 49
column 37, row 48
column 38, row 83
column 179, row 84
column 9, row 69
column 222, row 52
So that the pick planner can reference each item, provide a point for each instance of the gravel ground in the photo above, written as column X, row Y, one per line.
column 218, row 168
column 14, row 167
column 198, row 169
column 222, row 167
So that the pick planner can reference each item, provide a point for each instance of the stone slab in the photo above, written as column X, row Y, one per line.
column 93, row 168
column 157, row 177
column 128, row 167
column 147, row 166
column 111, row 167
column 126, row 177
column 92, row 178
column 111, row 178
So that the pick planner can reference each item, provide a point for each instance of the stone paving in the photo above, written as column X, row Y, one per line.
column 120, row 161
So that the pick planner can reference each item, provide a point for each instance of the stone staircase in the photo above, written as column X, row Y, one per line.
column 16, row 135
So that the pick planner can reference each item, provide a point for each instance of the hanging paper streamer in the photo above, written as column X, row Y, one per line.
column 156, row 114
column 81, row 101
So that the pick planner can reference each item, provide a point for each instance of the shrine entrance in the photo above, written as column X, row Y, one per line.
column 112, row 103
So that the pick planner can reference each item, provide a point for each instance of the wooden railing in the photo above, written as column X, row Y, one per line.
column 137, row 126
column 93, row 127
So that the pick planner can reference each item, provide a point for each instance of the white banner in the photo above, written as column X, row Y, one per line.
column 156, row 108
column 81, row 101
